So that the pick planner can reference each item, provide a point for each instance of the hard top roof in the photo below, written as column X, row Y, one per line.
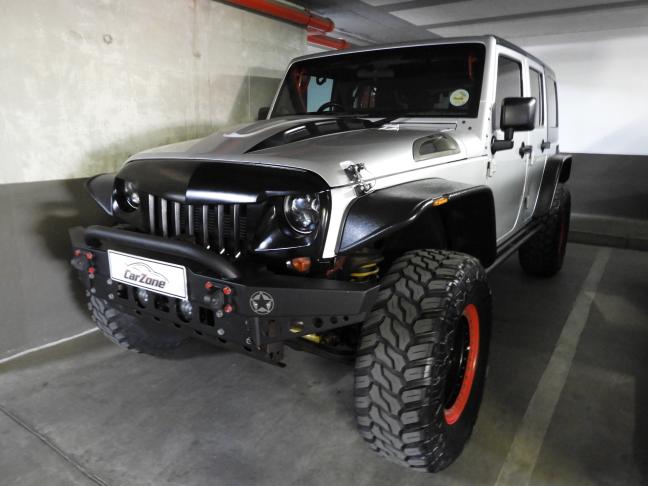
column 485, row 39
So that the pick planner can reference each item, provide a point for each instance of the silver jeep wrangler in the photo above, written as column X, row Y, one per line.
column 358, row 219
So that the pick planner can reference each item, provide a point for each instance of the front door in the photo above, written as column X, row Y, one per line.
column 507, row 173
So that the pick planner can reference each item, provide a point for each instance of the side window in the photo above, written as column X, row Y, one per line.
column 552, row 102
column 319, row 92
column 509, row 84
column 536, row 92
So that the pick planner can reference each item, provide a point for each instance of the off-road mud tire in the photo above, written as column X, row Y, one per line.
column 544, row 253
column 405, row 358
column 130, row 333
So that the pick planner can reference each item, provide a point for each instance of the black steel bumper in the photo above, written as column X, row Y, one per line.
column 221, row 294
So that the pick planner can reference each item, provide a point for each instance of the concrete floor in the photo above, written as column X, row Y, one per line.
column 87, row 413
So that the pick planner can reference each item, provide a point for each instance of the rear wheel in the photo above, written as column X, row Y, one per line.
column 544, row 253
column 421, row 363
column 131, row 333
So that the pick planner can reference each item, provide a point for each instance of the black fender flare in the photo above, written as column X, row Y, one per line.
column 101, row 187
column 467, row 213
column 557, row 170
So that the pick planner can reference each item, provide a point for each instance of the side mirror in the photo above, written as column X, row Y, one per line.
column 263, row 113
column 518, row 115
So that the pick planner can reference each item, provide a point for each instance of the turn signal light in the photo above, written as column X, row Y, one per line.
column 301, row 264
column 440, row 201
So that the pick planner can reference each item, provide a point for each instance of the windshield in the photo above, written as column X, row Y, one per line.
column 432, row 81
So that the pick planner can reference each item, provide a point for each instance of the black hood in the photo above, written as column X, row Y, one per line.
column 213, row 182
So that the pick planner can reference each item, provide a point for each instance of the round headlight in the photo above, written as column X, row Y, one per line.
column 131, row 195
column 302, row 212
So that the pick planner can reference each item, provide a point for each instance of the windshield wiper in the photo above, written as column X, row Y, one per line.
column 382, row 118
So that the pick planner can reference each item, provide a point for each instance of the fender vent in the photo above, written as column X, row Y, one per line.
column 219, row 227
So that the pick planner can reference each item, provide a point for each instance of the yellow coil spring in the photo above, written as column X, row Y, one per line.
column 365, row 271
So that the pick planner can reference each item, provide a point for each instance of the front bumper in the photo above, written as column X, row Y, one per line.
column 225, row 299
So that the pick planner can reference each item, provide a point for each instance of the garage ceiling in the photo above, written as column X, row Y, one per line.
column 376, row 21
column 362, row 23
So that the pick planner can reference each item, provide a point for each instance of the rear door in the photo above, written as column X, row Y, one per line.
column 538, row 138
column 551, row 89
column 507, row 173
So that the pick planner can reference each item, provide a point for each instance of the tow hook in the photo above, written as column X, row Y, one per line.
column 83, row 261
column 215, row 298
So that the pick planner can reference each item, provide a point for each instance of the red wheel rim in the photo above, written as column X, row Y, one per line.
column 454, row 411
column 562, row 243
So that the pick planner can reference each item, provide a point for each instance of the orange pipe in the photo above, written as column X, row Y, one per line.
column 326, row 41
column 286, row 12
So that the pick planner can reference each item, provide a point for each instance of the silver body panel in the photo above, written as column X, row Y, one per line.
column 384, row 151
column 388, row 152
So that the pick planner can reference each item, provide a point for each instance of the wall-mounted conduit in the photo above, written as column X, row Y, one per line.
column 317, row 25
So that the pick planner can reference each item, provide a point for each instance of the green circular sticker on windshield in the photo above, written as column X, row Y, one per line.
column 459, row 97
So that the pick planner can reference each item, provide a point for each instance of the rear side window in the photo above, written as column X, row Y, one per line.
column 509, row 84
column 536, row 92
column 552, row 102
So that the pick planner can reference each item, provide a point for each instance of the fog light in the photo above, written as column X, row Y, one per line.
column 185, row 310
column 142, row 297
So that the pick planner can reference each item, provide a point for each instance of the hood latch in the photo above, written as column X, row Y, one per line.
column 358, row 174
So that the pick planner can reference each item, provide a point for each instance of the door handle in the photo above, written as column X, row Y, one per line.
column 545, row 145
column 525, row 149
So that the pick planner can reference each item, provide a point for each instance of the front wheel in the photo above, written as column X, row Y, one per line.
column 421, row 363
column 130, row 333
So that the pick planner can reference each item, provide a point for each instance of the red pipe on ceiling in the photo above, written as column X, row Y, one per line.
column 326, row 41
column 288, row 13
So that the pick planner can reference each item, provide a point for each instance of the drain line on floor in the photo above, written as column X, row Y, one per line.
column 48, row 442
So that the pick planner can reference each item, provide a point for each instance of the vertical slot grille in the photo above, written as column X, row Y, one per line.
column 219, row 227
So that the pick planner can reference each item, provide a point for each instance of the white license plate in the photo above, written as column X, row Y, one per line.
column 161, row 277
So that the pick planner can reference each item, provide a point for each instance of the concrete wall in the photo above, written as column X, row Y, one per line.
column 86, row 83
column 40, row 299
column 610, row 185
column 603, row 115
column 602, row 88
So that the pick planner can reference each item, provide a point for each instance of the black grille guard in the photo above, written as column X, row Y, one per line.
column 95, row 236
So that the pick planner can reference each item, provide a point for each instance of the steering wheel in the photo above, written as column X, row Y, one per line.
column 330, row 105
